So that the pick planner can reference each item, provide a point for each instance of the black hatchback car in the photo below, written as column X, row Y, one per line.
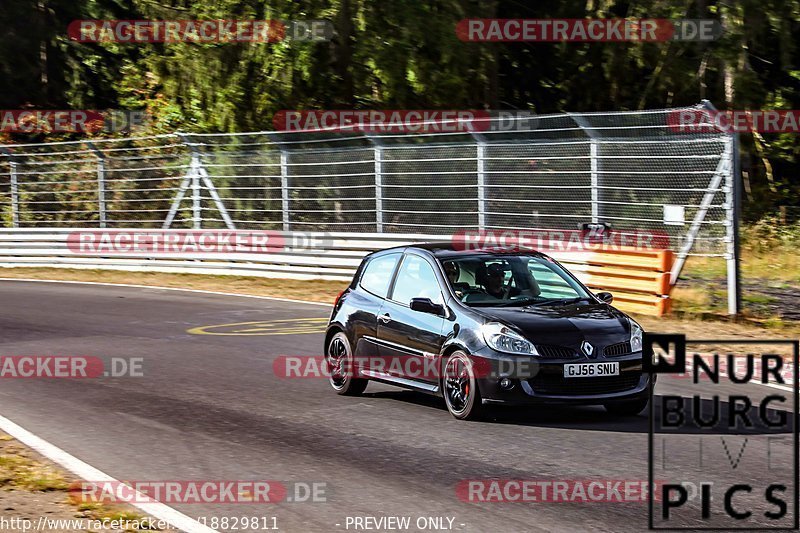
column 483, row 327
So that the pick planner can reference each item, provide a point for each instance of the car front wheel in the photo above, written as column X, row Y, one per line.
column 339, row 359
column 460, row 389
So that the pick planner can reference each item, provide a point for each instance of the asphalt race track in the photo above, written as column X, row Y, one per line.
column 209, row 407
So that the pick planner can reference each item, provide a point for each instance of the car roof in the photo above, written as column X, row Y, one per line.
column 446, row 250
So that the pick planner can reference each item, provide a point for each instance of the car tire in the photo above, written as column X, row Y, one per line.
column 460, row 389
column 339, row 361
column 626, row 408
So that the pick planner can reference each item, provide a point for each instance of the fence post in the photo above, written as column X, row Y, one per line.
column 733, row 199
column 594, row 163
column 193, row 179
column 14, row 195
column 285, row 218
column 377, row 150
column 197, row 214
column 593, row 173
column 101, row 184
column 480, row 156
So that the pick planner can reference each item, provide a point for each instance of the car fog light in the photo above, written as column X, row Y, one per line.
column 506, row 384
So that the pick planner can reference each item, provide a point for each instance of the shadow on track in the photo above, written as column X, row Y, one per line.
column 595, row 418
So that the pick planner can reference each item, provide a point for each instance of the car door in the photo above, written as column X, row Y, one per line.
column 409, row 341
column 367, row 302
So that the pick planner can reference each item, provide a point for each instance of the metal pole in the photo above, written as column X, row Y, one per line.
column 594, row 175
column 197, row 216
column 481, row 162
column 194, row 178
column 378, row 152
column 14, row 195
column 594, row 163
column 734, row 204
column 287, row 225
column 215, row 197
column 101, row 184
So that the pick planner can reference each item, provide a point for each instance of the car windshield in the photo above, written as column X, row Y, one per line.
column 511, row 280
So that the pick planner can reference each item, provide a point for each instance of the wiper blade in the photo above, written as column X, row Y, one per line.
column 515, row 303
column 561, row 301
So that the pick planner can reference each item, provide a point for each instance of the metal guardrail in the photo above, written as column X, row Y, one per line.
column 639, row 279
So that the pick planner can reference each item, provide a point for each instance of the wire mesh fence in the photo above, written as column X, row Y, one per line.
column 631, row 170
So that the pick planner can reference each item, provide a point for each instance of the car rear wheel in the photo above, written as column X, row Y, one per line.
column 627, row 408
column 339, row 358
column 460, row 389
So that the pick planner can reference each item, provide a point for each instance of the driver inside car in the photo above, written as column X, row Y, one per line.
column 493, row 283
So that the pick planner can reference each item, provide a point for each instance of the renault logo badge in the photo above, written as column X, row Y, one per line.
column 587, row 348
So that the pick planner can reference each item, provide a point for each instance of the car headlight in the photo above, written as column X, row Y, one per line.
column 636, row 336
column 504, row 339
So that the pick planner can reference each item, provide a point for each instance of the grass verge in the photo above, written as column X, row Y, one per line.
column 31, row 485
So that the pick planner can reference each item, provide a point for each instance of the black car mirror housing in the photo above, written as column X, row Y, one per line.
column 425, row 305
column 606, row 297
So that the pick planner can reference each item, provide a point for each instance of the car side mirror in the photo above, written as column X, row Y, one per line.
column 606, row 297
column 425, row 305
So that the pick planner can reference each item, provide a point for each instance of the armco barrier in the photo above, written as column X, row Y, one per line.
column 639, row 279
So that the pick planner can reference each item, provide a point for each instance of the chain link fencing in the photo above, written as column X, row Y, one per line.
column 634, row 171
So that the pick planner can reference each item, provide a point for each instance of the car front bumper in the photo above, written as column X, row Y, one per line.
column 536, row 381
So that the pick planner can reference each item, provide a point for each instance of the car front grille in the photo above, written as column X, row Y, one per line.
column 556, row 352
column 622, row 348
column 559, row 386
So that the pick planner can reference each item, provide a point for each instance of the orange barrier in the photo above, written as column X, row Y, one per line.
column 638, row 279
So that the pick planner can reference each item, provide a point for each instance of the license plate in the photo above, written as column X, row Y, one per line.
column 591, row 370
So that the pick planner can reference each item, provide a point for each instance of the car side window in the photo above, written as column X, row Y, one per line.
column 416, row 279
column 378, row 274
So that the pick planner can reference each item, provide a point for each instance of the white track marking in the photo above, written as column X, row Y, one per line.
column 89, row 473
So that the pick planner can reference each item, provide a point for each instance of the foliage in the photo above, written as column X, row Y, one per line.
column 405, row 54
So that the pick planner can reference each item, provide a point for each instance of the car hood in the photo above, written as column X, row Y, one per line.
column 565, row 325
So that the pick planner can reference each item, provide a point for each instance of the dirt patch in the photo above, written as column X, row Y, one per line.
column 762, row 298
